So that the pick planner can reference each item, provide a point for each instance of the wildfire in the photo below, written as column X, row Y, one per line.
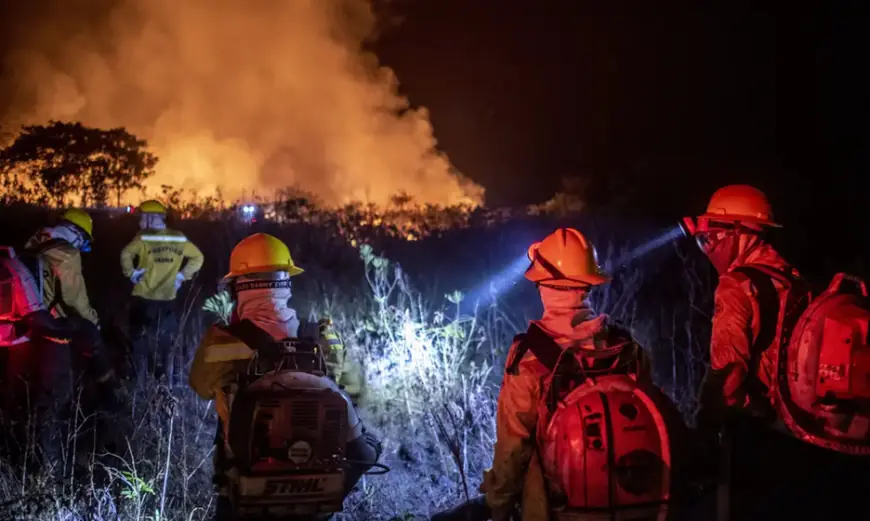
column 237, row 100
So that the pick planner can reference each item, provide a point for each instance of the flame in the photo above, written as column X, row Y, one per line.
column 239, row 96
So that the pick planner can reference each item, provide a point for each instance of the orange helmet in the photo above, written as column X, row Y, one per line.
column 740, row 203
column 261, row 253
column 565, row 258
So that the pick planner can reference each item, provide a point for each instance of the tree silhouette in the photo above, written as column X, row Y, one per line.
column 571, row 198
column 62, row 159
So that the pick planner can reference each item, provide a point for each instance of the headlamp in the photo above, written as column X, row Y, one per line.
column 532, row 249
column 688, row 227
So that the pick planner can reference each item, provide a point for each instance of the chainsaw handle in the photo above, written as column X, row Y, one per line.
column 840, row 277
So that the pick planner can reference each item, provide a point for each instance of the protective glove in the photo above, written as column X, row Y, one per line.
column 137, row 275
column 179, row 280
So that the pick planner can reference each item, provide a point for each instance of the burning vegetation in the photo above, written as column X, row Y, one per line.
column 235, row 98
column 110, row 171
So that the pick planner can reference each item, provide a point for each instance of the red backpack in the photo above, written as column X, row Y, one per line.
column 822, row 390
column 604, row 438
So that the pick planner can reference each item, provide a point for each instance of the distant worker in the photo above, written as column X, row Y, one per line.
column 35, row 365
column 57, row 252
column 259, row 281
column 155, row 262
column 575, row 368
column 762, row 392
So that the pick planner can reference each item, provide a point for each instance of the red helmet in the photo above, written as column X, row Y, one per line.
column 740, row 203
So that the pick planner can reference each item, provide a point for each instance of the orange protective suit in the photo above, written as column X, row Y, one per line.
column 516, row 473
column 736, row 327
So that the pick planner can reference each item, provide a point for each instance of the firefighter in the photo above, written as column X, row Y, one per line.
column 765, row 471
column 564, row 267
column 64, row 294
column 37, row 376
column 260, row 282
column 155, row 262
column 731, row 233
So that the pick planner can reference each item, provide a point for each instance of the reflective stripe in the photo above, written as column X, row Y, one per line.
column 333, row 340
column 163, row 238
column 228, row 352
column 16, row 342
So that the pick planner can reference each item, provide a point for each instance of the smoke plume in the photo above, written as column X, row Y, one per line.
column 241, row 95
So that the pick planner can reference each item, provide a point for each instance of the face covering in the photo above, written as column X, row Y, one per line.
column 567, row 317
column 264, row 299
column 152, row 222
column 724, row 249
column 70, row 235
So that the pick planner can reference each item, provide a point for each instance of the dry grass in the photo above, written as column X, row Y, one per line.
column 433, row 362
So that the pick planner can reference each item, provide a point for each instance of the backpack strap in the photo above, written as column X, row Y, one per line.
column 553, row 357
column 252, row 335
column 761, row 278
column 36, row 264
column 522, row 348
column 545, row 349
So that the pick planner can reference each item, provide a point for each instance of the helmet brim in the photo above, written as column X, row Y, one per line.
column 292, row 270
column 592, row 279
column 739, row 218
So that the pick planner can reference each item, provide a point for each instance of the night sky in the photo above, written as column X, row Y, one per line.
column 533, row 90
column 665, row 103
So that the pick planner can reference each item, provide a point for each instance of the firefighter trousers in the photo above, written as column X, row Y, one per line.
column 90, row 360
column 153, row 331
column 36, row 397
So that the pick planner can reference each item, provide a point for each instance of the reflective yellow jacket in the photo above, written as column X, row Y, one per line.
column 160, row 253
column 344, row 369
column 63, row 291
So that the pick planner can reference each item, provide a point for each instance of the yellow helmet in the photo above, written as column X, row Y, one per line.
column 152, row 206
column 261, row 253
column 81, row 219
column 565, row 258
